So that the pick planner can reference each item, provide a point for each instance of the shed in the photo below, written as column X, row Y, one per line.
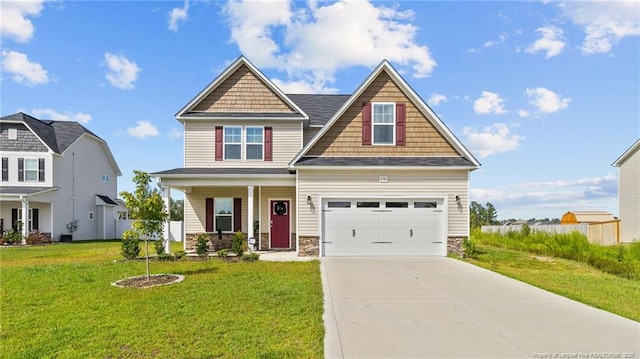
column 573, row 217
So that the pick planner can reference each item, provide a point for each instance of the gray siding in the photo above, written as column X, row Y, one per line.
column 26, row 141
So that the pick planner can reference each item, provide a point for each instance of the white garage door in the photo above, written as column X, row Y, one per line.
column 374, row 227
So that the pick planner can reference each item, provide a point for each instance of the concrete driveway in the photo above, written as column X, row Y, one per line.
column 445, row 308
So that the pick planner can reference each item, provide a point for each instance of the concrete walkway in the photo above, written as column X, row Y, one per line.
column 445, row 308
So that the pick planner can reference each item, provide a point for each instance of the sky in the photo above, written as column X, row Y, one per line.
column 545, row 94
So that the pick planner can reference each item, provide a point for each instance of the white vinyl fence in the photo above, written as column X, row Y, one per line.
column 176, row 229
column 601, row 233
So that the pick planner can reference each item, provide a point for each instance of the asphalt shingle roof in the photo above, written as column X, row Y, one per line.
column 319, row 107
column 224, row 171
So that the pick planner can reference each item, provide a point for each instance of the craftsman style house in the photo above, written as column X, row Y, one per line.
column 57, row 178
column 371, row 173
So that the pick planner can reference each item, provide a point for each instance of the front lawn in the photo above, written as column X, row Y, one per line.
column 57, row 301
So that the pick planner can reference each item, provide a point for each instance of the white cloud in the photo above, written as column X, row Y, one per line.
column 51, row 114
column 304, row 86
column 551, row 42
column 362, row 34
column 143, row 129
column 175, row 133
column 502, row 38
column 178, row 14
column 122, row 72
column 436, row 99
column 491, row 140
column 523, row 113
column 545, row 100
column 605, row 23
column 14, row 19
column 23, row 70
column 489, row 103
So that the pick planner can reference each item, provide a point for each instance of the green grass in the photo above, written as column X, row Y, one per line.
column 572, row 279
column 57, row 301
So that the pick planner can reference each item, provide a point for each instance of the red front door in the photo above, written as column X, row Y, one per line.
column 280, row 235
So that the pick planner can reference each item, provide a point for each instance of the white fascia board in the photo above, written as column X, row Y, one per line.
column 219, row 118
column 399, row 168
column 224, row 75
column 236, row 180
column 626, row 154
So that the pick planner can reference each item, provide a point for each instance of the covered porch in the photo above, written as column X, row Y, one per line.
column 260, row 203
column 16, row 201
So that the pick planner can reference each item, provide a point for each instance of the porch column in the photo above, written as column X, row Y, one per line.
column 25, row 219
column 166, row 197
column 250, row 219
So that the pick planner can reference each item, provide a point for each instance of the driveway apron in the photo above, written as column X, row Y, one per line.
column 446, row 308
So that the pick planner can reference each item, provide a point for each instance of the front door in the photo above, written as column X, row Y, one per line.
column 280, row 234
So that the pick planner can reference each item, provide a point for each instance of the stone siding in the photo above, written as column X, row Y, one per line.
column 309, row 246
column 454, row 245
column 214, row 244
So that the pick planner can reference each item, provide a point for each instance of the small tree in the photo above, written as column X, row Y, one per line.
column 147, row 207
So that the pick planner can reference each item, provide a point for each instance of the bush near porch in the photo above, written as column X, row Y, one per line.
column 58, row 301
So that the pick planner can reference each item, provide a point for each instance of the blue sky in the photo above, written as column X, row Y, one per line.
column 545, row 94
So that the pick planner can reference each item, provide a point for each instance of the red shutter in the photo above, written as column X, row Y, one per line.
column 401, row 124
column 237, row 214
column 219, row 143
column 268, row 143
column 366, row 124
column 209, row 215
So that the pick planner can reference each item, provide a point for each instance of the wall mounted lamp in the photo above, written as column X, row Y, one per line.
column 309, row 199
column 457, row 198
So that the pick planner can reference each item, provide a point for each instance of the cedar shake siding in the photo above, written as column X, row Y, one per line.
column 345, row 137
column 26, row 141
column 242, row 91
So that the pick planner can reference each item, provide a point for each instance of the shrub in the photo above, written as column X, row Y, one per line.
column 165, row 256
column 13, row 237
column 469, row 247
column 180, row 255
column 130, row 244
column 202, row 245
column 223, row 253
column 237, row 244
column 37, row 238
column 251, row 257
column 526, row 230
column 159, row 246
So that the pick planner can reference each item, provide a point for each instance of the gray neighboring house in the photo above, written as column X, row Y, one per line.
column 63, row 175
column 629, row 193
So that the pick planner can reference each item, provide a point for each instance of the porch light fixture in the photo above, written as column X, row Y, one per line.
column 309, row 199
column 457, row 199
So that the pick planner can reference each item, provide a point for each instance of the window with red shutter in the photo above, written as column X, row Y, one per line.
column 219, row 143
column 366, row 124
column 268, row 143
column 401, row 126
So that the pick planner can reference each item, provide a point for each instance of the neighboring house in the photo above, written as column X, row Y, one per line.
column 61, row 175
column 574, row 217
column 629, row 193
column 371, row 173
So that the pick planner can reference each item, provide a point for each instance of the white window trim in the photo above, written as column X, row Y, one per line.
column 224, row 143
column 373, row 124
column 37, row 170
column 13, row 134
column 30, row 220
column 215, row 214
column 246, row 143
column 105, row 178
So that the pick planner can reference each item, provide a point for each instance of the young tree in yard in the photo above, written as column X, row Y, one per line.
column 177, row 210
column 147, row 207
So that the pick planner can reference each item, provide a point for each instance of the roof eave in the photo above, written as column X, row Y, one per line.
column 626, row 154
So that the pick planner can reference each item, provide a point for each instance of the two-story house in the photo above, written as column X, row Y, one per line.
column 375, row 172
column 57, row 178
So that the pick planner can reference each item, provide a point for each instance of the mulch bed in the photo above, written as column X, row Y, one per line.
column 153, row 281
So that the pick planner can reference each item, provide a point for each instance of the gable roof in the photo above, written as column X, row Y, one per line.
column 625, row 156
column 319, row 107
column 186, row 111
column 411, row 95
column 58, row 136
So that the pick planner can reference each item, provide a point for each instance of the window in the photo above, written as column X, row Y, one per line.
column 425, row 205
column 91, row 216
column 383, row 123
column 339, row 205
column 31, row 169
column 254, row 140
column 224, row 214
column 368, row 204
column 397, row 205
column 233, row 143
column 32, row 224
column 13, row 133
column 105, row 178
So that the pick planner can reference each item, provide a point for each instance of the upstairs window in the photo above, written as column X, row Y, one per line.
column 233, row 143
column 30, row 169
column 105, row 178
column 255, row 143
column 384, row 121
